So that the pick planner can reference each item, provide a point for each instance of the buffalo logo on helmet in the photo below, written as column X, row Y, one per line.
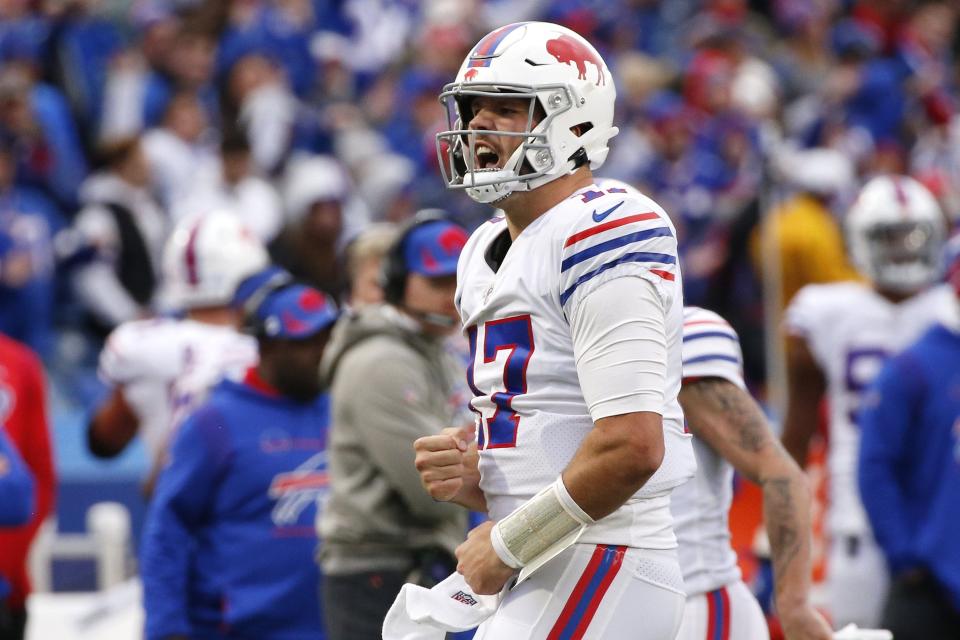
column 569, row 50
column 470, row 75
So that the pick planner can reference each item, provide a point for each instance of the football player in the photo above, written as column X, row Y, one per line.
column 572, row 302
column 839, row 336
column 159, row 368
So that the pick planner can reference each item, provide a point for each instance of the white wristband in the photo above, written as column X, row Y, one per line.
column 548, row 520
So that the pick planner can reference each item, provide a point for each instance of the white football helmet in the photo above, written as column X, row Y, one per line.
column 207, row 256
column 563, row 75
column 896, row 234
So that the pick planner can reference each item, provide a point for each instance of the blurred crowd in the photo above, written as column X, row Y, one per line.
column 315, row 118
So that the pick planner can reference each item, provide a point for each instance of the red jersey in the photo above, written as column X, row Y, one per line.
column 23, row 414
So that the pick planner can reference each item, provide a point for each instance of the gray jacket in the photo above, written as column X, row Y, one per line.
column 390, row 386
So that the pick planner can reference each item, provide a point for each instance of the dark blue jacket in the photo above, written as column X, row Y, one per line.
column 910, row 459
column 229, row 542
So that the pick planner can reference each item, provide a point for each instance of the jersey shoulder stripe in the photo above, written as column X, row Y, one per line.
column 711, row 348
column 637, row 240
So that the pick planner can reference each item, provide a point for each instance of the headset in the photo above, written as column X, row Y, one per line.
column 393, row 273
column 252, row 323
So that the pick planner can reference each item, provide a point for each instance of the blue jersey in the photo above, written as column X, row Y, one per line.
column 229, row 541
column 910, row 458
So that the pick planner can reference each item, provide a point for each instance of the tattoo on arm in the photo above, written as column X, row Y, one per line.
column 738, row 411
column 785, row 540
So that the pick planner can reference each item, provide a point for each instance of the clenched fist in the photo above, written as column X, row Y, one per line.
column 445, row 460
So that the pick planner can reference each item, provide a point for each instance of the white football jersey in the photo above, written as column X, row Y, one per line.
column 166, row 366
column 851, row 330
column 532, row 415
column 711, row 349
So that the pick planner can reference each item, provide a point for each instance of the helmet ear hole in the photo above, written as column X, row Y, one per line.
column 580, row 129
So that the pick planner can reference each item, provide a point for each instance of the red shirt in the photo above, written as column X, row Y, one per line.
column 23, row 413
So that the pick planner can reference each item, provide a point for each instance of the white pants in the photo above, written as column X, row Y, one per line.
column 857, row 581
column 594, row 592
column 729, row 613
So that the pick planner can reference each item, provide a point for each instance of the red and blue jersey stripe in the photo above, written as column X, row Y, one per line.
column 587, row 594
column 718, row 615
column 598, row 249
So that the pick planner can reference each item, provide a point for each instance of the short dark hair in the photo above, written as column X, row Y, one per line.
column 116, row 151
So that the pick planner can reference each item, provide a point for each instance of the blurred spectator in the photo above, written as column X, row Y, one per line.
column 260, row 100
column 180, row 152
column 839, row 335
column 239, row 187
column 126, row 228
column 81, row 44
column 23, row 414
column 393, row 380
column 228, row 541
column 802, row 233
column 16, row 494
column 28, row 222
column 161, row 368
column 36, row 119
column 178, row 54
column 910, row 477
column 16, row 508
column 319, row 206
column 365, row 255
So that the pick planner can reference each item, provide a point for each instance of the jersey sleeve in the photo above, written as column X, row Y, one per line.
column 802, row 317
column 136, row 350
column 711, row 348
column 616, row 236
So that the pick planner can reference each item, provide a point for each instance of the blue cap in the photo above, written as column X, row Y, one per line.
column 252, row 289
column 295, row 312
column 432, row 249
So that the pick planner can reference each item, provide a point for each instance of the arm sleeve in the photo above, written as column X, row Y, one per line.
column 619, row 342
column 387, row 395
column 634, row 239
column 184, row 492
column 711, row 348
column 885, row 421
column 16, row 485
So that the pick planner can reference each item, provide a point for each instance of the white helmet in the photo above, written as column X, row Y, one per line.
column 896, row 234
column 562, row 74
column 207, row 256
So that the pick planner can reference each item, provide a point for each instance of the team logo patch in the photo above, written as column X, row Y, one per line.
column 296, row 490
column 465, row 598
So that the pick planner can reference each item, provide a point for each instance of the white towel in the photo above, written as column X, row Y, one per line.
column 852, row 632
column 428, row 614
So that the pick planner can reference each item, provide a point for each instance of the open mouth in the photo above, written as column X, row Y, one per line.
column 486, row 157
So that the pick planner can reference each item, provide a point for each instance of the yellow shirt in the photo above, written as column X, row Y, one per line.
column 809, row 243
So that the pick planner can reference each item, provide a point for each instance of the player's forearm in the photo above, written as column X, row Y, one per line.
column 786, row 508
column 614, row 461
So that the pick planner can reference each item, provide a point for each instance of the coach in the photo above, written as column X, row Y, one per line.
column 229, row 538
column 393, row 381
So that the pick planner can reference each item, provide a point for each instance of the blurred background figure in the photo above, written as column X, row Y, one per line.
column 320, row 212
column 23, row 418
column 392, row 381
column 910, row 476
column 229, row 533
column 126, row 228
column 364, row 265
column 157, row 370
column 16, row 507
column 840, row 334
